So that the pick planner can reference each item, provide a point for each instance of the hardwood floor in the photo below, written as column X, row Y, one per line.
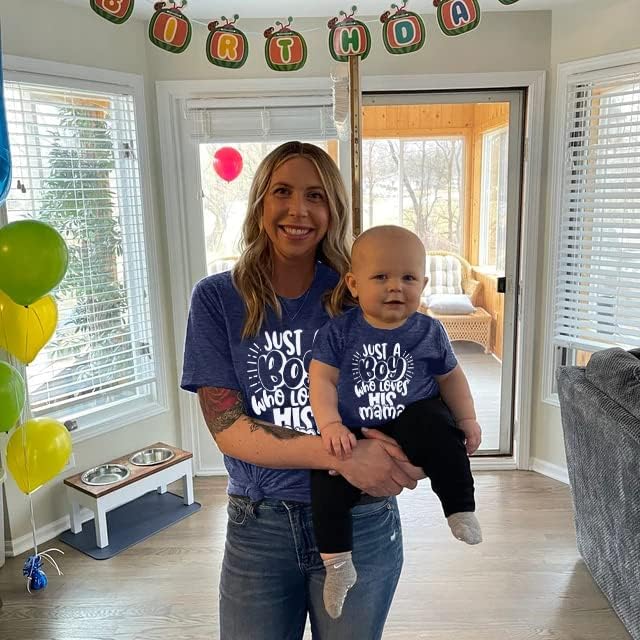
column 524, row 582
column 484, row 373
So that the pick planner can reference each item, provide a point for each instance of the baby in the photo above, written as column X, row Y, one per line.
column 385, row 365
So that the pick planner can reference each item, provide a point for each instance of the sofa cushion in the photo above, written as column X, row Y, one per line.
column 444, row 273
column 450, row 304
column 616, row 373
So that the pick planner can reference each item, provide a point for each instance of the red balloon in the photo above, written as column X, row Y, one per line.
column 227, row 163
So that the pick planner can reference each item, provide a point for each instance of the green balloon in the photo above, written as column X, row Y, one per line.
column 12, row 396
column 33, row 260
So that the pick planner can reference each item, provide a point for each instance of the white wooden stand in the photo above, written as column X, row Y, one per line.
column 102, row 499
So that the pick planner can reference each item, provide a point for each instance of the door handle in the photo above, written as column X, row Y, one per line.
column 501, row 284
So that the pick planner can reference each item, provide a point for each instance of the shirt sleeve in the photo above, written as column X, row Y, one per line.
column 328, row 345
column 208, row 360
column 447, row 361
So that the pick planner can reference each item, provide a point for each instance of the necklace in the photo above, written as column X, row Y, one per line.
column 283, row 304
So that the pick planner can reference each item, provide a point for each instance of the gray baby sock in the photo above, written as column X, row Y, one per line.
column 341, row 576
column 465, row 526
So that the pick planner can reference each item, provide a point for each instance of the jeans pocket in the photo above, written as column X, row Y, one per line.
column 372, row 508
column 237, row 511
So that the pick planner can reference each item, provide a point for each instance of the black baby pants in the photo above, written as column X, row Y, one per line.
column 427, row 433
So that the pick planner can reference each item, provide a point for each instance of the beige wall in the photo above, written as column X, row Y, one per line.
column 600, row 28
column 66, row 33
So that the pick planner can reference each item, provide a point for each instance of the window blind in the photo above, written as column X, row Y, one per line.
column 75, row 166
column 597, row 279
column 230, row 120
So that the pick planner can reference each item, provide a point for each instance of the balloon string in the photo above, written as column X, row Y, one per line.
column 46, row 556
column 26, row 333
column 3, row 324
column 255, row 33
column 17, row 399
column 39, row 319
column 26, row 472
column 33, row 522
column 3, row 471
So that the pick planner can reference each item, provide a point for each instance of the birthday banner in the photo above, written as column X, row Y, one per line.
column 285, row 49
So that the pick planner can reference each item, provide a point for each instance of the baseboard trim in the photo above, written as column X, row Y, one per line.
column 487, row 463
column 212, row 471
column 550, row 470
column 14, row 547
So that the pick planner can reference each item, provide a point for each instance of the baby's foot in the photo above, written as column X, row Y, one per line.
column 341, row 576
column 465, row 526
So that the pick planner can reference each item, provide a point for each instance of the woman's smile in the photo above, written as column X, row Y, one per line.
column 296, row 232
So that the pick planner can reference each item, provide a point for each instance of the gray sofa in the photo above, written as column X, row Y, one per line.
column 600, row 407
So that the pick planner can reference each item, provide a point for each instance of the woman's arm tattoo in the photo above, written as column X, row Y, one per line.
column 282, row 433
column 222, row 407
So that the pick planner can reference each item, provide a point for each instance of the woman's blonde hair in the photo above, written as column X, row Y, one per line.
column 252, row 274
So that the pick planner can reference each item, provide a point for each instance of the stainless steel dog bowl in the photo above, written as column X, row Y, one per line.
column 149, row 457
column 105, row 474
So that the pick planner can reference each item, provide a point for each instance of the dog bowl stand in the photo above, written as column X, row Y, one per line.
column 142, row 479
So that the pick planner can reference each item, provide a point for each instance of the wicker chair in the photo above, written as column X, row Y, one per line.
column 474, row 327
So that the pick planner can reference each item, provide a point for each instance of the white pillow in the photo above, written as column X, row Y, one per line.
column 450, row 304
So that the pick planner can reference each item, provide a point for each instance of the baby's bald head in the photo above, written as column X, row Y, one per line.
column 386, row 239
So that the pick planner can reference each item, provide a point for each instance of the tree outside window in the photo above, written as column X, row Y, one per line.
column 417, row 184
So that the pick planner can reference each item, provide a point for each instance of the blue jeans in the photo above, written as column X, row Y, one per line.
column 272, row 573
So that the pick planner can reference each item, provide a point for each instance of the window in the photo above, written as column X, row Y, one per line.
column 416, row 184
column 254, row 132
column 596, row 294
column 76, row 157
column 493, row 207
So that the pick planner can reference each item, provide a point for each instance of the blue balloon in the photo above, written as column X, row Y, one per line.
column 32, row 570
column 5, row 153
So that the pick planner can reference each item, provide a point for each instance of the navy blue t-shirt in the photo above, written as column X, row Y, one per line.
column 383, row 370
column 271, row 370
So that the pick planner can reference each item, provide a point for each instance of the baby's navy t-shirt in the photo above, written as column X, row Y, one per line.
column 383, row 370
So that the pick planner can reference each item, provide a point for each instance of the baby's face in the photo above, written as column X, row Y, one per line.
column 388, row 278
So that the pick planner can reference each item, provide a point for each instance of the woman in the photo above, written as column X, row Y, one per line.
column 247, row 352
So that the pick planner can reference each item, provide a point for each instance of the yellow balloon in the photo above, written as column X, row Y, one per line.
column 25, row 330
column 37, row 451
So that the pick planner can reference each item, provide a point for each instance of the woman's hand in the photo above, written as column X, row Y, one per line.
column 417, row 473
column 377, row 466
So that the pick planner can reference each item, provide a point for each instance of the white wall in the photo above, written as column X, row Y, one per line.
column 56, row 31
column 599, row 28
column 517, row 41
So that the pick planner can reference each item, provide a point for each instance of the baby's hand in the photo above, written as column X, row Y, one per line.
column 473, row 434
column 338, row 440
